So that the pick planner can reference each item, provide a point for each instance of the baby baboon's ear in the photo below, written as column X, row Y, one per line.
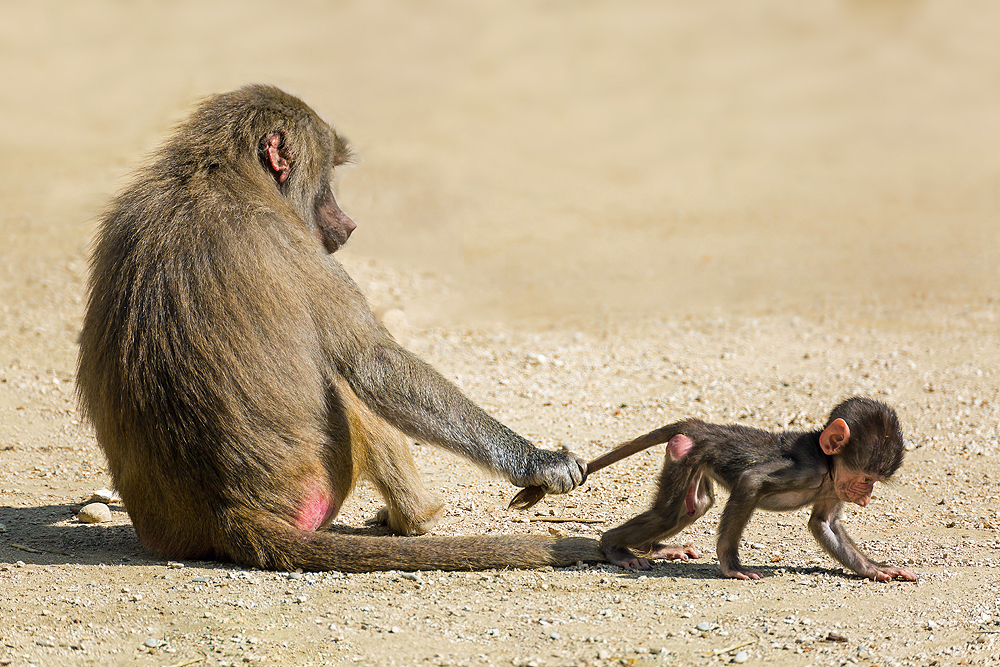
column 834, row 437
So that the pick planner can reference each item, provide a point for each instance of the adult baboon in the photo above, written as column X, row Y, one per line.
column 238, row 381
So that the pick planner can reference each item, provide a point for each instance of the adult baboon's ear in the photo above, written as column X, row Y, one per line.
column 275, row 156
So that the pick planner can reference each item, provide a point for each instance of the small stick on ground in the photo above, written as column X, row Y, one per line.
column 188, row 662
column 730, row 649
column 38, row 550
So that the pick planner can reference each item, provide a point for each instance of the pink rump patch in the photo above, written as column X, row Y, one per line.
column 679, row 446
column 315, row 510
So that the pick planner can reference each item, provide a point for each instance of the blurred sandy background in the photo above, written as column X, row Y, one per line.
column 556, row 159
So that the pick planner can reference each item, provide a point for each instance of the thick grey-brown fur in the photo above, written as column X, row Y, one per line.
column 233, row 370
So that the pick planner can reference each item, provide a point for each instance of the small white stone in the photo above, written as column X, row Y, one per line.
column 94, row 513
column 741, row 657
column 105, row 496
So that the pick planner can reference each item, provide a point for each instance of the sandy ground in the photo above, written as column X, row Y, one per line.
column 596, row 218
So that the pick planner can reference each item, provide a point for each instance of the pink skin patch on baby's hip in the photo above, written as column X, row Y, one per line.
column 679, row 446
column 315, row 510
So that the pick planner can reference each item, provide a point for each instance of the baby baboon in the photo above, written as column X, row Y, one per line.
column 238, row 381
column 861, row 444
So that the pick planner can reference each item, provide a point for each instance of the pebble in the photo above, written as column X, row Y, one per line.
column 105, row 496
column 740, row 657
column 94, row 513
column 152, row 643
column 704, row 626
